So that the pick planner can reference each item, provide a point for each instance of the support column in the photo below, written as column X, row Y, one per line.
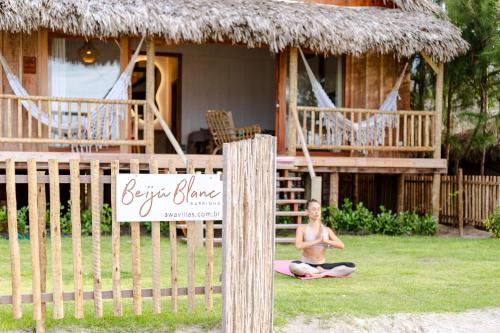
column 439, row 109
column 124, row 59
column 150, row 96
column 292, row 102
column 401, row 193
column 280, row 115
column 334, row 189
column 436, row 188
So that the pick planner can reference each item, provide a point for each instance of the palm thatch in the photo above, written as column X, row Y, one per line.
column 414, row 27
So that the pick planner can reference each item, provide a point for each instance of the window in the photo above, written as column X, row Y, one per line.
column 70, row 76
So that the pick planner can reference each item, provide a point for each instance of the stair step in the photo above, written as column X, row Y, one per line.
column 290, row 201
column 288, row 178
column 290, row 189
column 291, row 213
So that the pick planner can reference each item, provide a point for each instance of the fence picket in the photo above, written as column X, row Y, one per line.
column 35, row 256
column 191, row 253
column 96, row 236
column 173, row 252
column 209, row 254
column 76, row 234
column 55, row 235
column 15, row 259
column 155, row 239
column 115, row 244
column 136, row 253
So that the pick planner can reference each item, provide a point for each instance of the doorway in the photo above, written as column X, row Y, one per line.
column 167, row 96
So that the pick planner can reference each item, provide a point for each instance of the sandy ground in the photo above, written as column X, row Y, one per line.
column 469, row 232
column 474, row 321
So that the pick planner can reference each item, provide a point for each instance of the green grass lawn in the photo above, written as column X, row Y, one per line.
column 395, row 274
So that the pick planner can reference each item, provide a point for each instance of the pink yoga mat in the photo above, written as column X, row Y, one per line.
column 282, row 266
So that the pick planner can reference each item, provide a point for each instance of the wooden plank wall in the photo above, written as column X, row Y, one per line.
column 14, row 47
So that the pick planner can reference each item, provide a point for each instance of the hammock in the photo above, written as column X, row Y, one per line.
column 119, row 91
column 370, row 129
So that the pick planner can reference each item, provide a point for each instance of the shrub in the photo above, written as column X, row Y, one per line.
column 3, row 218
column 22, row 220
column 492, row 222
column 106, row 220
column 347, row 219
column 164, row 227
column 361, row 221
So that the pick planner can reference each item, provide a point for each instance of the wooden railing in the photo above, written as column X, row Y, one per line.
column 72, row 121
column 341, row 129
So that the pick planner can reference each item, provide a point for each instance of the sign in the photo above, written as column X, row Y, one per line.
column 29, row 65
column 168, row 197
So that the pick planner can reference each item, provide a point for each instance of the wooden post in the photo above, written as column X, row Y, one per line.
column 191, row 245
column 355, row 199
column 460, row 201
column 135, row 228
column 439, row 109
column 42, row 235
column 292, row 101
column 436, row 188
column 173, row 251
column 209, row 254
column 96, row 236
column 76, row 236
column 401, row 193
column 280, row 116
column 115, row 244
column 15, row 259
column 55, row 237
column 156, row 258
column 150, row 96
column 334, row 189
column 248, row 229
column 35, row 248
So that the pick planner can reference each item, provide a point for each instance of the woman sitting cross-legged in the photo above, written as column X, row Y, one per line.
column 313, row 239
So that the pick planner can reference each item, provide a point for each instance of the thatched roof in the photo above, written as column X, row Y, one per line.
column 413, row 28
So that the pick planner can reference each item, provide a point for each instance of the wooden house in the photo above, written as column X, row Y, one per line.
column 241, row 56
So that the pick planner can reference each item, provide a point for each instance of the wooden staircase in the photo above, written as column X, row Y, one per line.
column 290, row 201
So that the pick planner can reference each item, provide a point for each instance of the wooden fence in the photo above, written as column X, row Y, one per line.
column 463, row 198
column 97, row 175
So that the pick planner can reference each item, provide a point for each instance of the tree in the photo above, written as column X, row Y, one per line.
column 473, row 78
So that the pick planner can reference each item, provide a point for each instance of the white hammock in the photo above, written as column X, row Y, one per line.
column 370, row 129
column 119, row 91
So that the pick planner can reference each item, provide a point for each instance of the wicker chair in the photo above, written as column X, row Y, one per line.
column 221, row 126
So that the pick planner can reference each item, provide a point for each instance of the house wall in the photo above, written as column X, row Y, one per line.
column 370, row 78
column 232, row 78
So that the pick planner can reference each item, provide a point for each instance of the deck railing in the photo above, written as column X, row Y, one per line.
column 72, row 121
column 345, row 129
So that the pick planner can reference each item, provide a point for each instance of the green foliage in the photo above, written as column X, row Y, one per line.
column 3, row 217
column 347, row 219
column 284, row 219
column 164, row 227
column 492, row 222
column 361, row 221
column 22, row 220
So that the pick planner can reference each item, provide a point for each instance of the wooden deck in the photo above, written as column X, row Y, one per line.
column 298, row 163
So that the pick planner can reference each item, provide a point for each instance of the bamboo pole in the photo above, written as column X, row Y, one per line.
column 115, row 244
column 76, row 234
column 96, row 237
column 136, row 253
column 15, row 259
column 155, row 239
column 35, row 248
column 401, row 192
column 55, row 235
column 173, row 252
column 436, row 187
